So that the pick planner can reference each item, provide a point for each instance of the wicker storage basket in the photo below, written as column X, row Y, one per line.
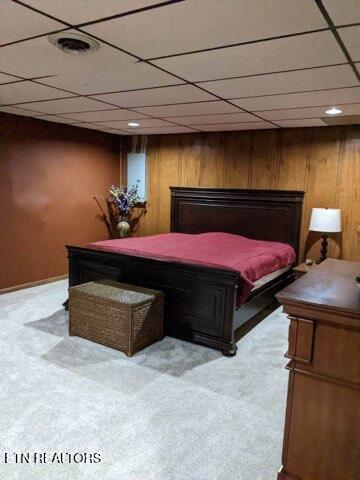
column 120, row 316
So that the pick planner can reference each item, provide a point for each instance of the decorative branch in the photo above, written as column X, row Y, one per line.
column 113, row 217
column 121, row 204
column 104, row 217
column 134, row 220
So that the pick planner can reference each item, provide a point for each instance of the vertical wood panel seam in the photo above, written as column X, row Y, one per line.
column 279, row 156
column 226, row 152
column 223, row 142
column 340, row 162
column 308, row 156
column 339, row 172
column 180, row 160
column 309, row 138
column 123, row 163
column 158, row 178
column 202, row 141
column 251, row 159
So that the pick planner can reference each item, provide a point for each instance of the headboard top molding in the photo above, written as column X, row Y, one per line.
column 233, row 193
column 273, row 215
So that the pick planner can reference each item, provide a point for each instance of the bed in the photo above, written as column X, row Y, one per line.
column 201, row 301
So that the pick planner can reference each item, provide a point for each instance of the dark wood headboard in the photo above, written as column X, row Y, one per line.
column 273, row 215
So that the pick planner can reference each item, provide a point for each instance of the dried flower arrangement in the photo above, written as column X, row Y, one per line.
column 124, row 199
column 119, row 220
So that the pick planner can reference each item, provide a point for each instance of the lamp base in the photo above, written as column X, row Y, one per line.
column 323, row 250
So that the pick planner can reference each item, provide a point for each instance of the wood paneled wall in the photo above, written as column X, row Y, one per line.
column 324, row 162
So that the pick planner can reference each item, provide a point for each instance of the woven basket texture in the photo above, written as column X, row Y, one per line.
column 121, row 316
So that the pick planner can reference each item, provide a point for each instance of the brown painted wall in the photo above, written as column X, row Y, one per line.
column 324, row 162
column 48, row 175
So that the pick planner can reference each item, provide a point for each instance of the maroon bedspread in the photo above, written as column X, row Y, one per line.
column 252, row 259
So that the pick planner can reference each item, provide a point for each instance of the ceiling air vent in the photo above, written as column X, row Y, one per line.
column 342, row 120
column 73, row 43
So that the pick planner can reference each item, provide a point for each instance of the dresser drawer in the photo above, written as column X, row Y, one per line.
column 301, row 339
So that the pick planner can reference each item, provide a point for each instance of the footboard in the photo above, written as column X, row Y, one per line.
column 199, row 300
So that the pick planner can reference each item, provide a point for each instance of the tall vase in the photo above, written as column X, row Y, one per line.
column 123, row 228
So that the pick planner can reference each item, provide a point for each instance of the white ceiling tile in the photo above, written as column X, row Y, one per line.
column 19, row 111
column 235, row 126
column 171, row 30
column 160, row 130
column 5, row 78
column 157, row 96
column 116, row 131
column 104, row 70
column 315, row 49
column 57, row 119
column 27, row 92
column 343, row 120
column 145, row 122
column 91, row 126
column 18, row 22
column 80, row 11
column 310, row 112
column 305, row 122
column 66, row 105
column 38, row 57
column 351, row 38
column 343, row 12
column 105, row 115
column 194, row 25
column 204, row 108
column 127, row 77
column 212, row 119
column 305, row 99
column 99, row 128
column 299, row 81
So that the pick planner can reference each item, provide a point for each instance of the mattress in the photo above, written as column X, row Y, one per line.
column 269, row 277
column 251, row 259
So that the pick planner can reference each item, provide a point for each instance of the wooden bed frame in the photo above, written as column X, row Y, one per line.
column 200, row 301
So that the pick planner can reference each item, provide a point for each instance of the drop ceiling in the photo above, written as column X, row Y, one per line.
column 182, row 65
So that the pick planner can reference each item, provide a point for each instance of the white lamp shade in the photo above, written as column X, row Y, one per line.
column 325, row 220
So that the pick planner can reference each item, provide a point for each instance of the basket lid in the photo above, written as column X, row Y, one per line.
column 121, row 292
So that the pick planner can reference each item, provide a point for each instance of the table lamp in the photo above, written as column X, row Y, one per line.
column 325, row 220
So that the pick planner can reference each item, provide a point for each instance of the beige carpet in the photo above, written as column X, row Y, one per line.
column 175, row 411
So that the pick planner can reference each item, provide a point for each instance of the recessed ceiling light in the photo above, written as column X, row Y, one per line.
column 333, row 111
column 133, row 124
column 73, row 43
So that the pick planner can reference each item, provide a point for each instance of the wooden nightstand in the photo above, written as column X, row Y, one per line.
column 301, row 269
